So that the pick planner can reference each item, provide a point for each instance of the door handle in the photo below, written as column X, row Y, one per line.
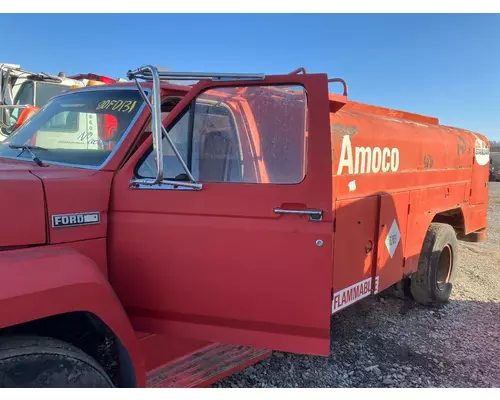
column 314, row 214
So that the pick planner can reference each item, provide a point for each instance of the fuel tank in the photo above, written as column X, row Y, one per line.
column 376, row 149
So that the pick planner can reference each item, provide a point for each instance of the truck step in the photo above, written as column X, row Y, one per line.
column 205, row 366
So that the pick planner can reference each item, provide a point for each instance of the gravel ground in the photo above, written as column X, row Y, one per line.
column 387, row 342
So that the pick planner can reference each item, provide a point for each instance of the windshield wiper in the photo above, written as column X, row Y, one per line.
column 29, row 148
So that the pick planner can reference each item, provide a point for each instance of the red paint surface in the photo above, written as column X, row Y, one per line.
column 95, row 249
column 72, row 190
column 355, row 241
column 46, row 281
column 389, row 269
column 23, row 205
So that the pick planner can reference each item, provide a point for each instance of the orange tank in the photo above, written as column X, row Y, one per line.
column 407, row 168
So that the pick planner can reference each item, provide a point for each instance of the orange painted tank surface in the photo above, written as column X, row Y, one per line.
column 301, row 203
column 411, row 171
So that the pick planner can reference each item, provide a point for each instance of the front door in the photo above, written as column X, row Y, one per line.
column 248, row 258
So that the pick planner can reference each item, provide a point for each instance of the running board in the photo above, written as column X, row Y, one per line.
column 204, row 367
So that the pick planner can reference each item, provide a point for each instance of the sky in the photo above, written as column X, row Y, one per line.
column 443, row 65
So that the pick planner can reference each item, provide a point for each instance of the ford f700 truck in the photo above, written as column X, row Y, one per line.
column 218, row 222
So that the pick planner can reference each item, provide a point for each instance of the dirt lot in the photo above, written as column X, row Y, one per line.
column 387, row 342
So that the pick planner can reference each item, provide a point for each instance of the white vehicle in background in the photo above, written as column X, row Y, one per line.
column 68, row 129
column 20, row 89
column 22, row 93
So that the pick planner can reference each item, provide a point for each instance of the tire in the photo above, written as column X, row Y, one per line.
column 432, row 284
column 39, row 362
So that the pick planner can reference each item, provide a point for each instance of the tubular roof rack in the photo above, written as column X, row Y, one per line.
column 145, row 74
column 298, row 71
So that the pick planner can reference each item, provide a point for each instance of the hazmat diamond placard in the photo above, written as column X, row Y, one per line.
column 392, row 239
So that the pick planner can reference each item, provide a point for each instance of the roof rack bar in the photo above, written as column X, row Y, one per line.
column 156, row 122
column 144, row 74
column 298, row 71
column 158, row 130
column 340, row 80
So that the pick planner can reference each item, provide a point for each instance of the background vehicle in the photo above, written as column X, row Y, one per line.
column 233, row 219
column 495, row 166
column 20, row 89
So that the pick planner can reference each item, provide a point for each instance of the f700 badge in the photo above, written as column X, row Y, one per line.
column 78, row 219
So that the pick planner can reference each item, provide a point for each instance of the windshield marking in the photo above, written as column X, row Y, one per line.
column 117, row 105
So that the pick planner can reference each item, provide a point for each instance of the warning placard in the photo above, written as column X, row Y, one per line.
column 393, row 238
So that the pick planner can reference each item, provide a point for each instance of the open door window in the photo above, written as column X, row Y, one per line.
column 238, row 134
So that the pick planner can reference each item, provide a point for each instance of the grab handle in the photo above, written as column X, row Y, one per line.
column 314, row 214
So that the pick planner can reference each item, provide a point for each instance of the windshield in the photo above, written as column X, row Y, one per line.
column 80, row 128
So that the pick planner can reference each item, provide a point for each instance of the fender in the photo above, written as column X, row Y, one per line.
column 475, row 217
column 474, row 226
column 45, row 281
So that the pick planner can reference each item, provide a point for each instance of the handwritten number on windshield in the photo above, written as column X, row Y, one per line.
column 117, row 105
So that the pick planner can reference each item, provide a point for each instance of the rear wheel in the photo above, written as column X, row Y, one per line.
column 433, row 282
column 38, row 362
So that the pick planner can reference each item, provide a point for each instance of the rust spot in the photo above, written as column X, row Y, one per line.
column 339, row 129
column 428, row 161
column 461, row 146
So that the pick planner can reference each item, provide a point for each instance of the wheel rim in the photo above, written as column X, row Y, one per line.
column 444, row 267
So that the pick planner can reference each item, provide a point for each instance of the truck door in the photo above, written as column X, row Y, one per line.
column 248, row 258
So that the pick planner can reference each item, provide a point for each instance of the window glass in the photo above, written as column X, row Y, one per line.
column 45, row 91
column 81, row 127
column 23, row 97
column 252, row 134
column 25, row 94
